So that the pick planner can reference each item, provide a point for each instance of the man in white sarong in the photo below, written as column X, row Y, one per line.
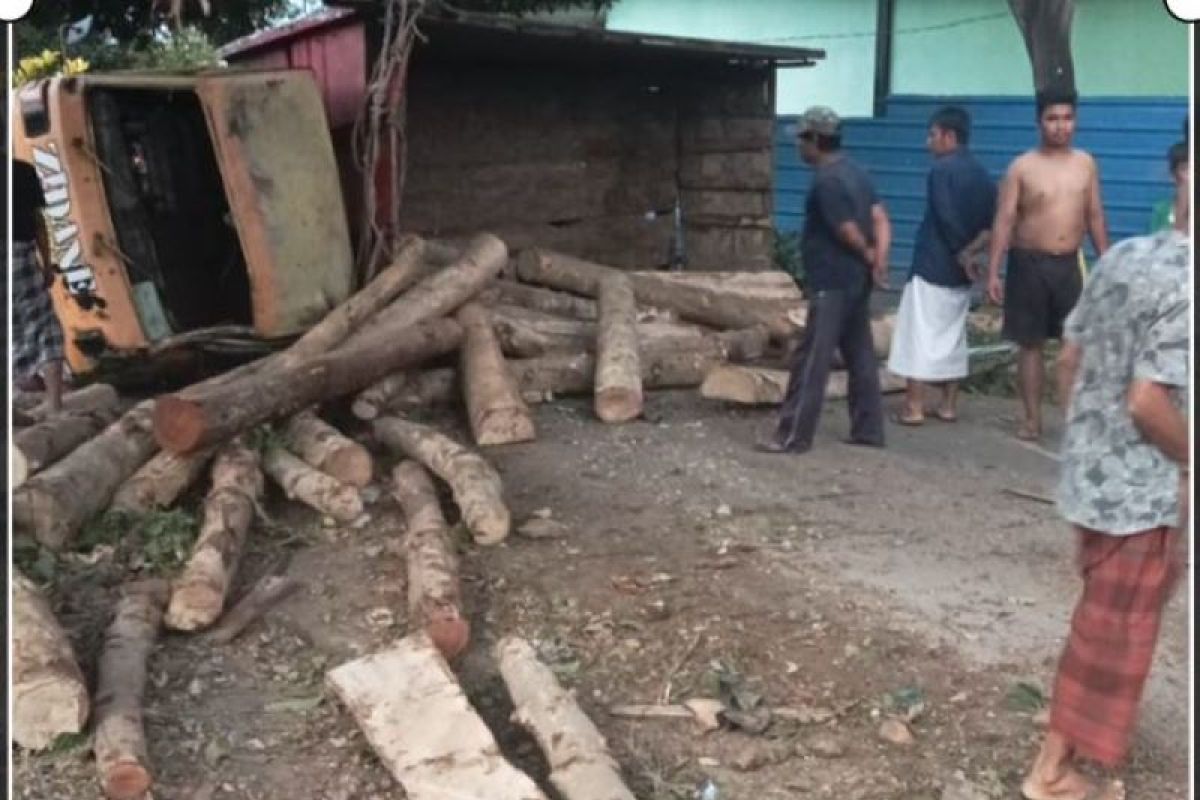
column 930, row 341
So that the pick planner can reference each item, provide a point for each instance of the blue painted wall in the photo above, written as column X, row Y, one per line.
column 1128, row 136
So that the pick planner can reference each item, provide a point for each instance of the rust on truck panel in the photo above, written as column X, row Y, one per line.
column 285, row 200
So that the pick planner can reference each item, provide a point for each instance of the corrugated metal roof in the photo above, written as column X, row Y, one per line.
column 493, row 34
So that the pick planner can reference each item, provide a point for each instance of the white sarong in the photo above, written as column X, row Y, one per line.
column 930, row 341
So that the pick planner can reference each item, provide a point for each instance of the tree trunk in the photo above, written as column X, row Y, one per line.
column 265, row 595
column 526, row 334
column 90, row 398
column 443, row 292
column 374, row 400
column 47, row 442
column 49, row 697
column 581, row 766
column 408, row 267
column 325, row 448
column 668, row 367
column 312, row 487
column 772, row 288
column 183, row 425
column 536, row 298
column 434, row 595
column 160, row 481
column 406, row 391
column 120, row 741
column 476, row 486
column 618, row 389
column 695, row 303
column 759, row 386
column 198, row 594
column 1045, row 26
column 53, row 504
column 494, row 407
column 451, row 753
column 18, row 467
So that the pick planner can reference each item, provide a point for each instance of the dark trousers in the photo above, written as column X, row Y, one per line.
column 843, row 320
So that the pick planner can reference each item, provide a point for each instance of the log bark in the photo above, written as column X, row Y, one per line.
column 160, row 481
column 667, row 367
column 266, row 594
column 407, row 268
column 524, row 333
column 120, row 741
column 476, row 486
column 760, row 386
column 198, row 594
column 771, row 287
column 312, row 487
column 325, row 448
column 451, row 753
column 90, row 398
column 494, row 407
column 443, row 292
column 183, row 424
column 374, row 400
column 46, row 442
column 695, row 303
column 49, row 696
column 434, row 593
column 536, row 298
column 53, row 504
column 406, row 391
column 618, row 390
column 581, row 766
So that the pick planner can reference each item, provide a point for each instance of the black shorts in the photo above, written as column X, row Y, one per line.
column 1040, row 289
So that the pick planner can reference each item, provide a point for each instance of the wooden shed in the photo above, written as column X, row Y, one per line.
column 634, row 150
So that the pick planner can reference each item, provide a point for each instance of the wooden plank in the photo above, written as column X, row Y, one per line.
column 451, row 752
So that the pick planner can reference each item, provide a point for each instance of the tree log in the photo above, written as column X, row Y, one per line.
column 161, row 481
column 434, row 595
column 81, row 401
column 526, row 334
column 325, row 448
column 406, row 391
column 183, row 425
column 266, row 594
column 53, row 504
column 451, row 752
column 46, row 442
column 120, row 741
column 581, row 766
column 312, row 487
column 770, row 287
column 408, row 267
column 494, row 407
column 476, row 486
column 618, row 389
column 535, row 298
column 49, row 697
column 198, row 594
column 695, row 303
column 443, row 292
column 759, row 386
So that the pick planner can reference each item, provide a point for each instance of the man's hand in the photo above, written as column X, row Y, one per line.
column 880, row 276
column 995, row 290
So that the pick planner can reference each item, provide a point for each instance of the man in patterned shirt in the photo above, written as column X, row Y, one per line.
column 1123, row 374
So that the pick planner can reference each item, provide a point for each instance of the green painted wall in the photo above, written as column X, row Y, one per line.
column 1120, row 47
column 843, row 81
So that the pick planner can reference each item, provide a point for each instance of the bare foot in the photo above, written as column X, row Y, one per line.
column 1070, row 785
column 1029, row 431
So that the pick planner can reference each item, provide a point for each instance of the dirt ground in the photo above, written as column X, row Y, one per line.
column 838, row 582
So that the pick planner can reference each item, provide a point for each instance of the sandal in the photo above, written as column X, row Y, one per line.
column 944, row 417
column 912, row 422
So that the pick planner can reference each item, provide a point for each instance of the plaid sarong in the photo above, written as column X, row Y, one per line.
column 1127, row 581
column 36, row 335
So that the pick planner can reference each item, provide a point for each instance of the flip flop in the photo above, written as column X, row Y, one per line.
column 912, row 422
column 946, row 417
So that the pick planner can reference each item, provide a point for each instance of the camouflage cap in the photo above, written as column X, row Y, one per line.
column 821, row 120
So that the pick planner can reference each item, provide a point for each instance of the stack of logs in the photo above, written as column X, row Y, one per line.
column 521, row 331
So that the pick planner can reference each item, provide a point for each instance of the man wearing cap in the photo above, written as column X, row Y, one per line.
column 844, row 247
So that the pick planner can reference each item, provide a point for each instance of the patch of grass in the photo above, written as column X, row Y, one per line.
column 263, row 438
column 162, row 539
column 67, row 743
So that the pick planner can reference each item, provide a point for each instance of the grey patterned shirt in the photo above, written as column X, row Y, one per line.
column 1131, row 322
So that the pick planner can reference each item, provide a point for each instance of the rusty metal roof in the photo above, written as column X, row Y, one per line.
column 486, row 36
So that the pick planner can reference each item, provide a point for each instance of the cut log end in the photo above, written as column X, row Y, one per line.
column 506, row 426
column 618, row 404
column 179, row 424
column 351, row 465
column 126, row 780
column 365, row 409
column 194, row 607
column 449, row 632
column 42, row 713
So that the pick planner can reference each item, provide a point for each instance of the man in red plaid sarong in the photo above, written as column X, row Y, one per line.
column 1123, row 376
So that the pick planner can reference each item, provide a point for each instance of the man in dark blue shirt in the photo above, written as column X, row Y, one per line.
column 844, row 246
column 930, row 343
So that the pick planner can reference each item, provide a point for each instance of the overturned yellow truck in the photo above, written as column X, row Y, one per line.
column 185, row 211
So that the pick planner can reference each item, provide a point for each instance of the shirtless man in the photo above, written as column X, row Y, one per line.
column 1049, row 198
